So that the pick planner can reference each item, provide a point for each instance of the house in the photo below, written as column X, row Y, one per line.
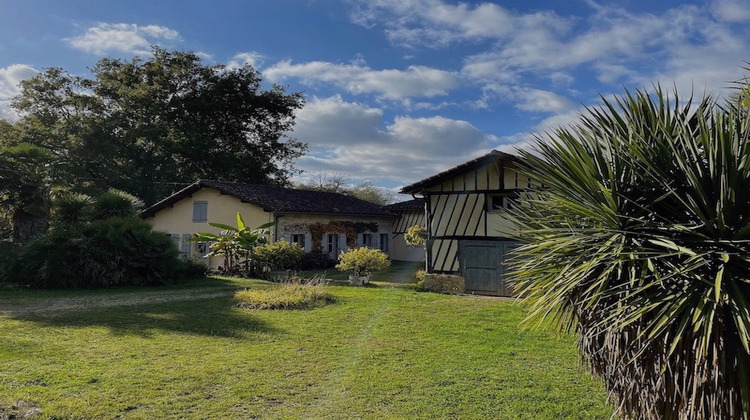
column 466, row 226
column 408, row 213
column 317, row 221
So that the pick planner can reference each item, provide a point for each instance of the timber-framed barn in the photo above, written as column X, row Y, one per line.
column 466, row 226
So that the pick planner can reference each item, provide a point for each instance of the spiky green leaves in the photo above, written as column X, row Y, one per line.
column 640, row 240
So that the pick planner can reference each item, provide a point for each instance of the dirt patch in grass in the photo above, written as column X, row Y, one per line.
column 19, row 410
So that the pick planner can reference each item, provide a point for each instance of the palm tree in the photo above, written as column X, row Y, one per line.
column 639, row 239
column 25, row 186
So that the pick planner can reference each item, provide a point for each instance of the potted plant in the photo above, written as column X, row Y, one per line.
column 361, row 262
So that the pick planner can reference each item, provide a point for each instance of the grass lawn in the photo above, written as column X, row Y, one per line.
column 377, row 352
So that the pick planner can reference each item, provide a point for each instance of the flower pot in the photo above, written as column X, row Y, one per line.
column 355, row 280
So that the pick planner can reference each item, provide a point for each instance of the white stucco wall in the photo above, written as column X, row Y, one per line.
column 402, row 252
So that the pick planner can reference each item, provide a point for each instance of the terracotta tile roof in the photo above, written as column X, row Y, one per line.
column 279, row 199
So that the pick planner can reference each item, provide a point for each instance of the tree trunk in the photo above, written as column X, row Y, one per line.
column 27, row 226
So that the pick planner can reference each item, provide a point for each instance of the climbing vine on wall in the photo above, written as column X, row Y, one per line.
column 349, row 228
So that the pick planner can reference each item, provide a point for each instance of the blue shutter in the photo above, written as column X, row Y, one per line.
column 185, row 249
column 200, row 211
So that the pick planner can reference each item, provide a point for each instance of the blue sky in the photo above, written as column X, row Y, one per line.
column 399, row 90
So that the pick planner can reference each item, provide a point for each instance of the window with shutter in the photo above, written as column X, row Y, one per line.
column 200, row 211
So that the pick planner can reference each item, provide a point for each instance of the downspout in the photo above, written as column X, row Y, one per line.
column 429, row 224
column 276, row 226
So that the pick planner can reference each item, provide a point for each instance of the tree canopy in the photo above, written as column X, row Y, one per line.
column 337, row 183
column 145, row 126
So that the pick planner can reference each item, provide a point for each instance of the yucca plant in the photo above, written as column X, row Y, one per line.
column 638, row 239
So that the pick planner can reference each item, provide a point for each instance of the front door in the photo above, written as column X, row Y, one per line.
column 483, row 266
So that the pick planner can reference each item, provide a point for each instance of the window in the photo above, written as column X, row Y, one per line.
column 367, row 240
column 299, row 240
column 384, row 242
column 200, row 211
column 201, row 248
column 497, row 202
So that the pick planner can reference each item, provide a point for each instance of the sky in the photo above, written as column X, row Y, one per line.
column 399, row 90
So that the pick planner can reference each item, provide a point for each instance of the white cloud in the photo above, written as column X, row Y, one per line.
column 359, row 79
column 353, row 139
column 526, row 98
column 731, row 10
column 10, row 77
column 436, row 23
column 122, row 37
column 699, row 45
column 252, row 58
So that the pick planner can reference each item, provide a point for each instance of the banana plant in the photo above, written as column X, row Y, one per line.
column 236, row 244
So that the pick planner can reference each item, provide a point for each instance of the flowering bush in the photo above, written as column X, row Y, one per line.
column 363, row 261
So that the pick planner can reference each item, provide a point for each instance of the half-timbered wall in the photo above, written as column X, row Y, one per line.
column 457, row 209
column 407, row 219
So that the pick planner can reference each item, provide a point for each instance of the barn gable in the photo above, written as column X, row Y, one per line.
column 465, row 221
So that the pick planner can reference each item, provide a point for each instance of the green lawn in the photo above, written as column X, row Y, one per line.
column 377, row 352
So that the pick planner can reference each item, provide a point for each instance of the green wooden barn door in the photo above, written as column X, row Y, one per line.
column 483, row 266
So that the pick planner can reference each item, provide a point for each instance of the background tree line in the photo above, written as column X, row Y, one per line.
column 146, row 127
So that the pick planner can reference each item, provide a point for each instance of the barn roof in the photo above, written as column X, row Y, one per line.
column 279, row 199
column 479, row 162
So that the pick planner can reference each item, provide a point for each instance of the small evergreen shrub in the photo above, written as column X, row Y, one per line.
column 193, row 269
column 315, row 261
column 420, row 276
column 111, row 252
column 8, row 254
column 281, row 255
column 283, row 296
column 363, row 261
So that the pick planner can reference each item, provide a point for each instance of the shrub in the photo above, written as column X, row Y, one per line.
column 315, row 261
column 281, row 255
column 193, row 269
column 283, row 296
column 363, row 261
column 415, row 236
column 112, row 252
column 115, row 203
column 420, row 275
column 71, row 210
column 8, row 254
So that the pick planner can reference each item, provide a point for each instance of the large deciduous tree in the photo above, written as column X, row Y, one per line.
column 145, row 125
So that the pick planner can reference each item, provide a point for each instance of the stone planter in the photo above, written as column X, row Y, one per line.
column 445, row 283
column 355, row 280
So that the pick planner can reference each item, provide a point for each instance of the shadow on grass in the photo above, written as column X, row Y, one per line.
column 205, row 311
